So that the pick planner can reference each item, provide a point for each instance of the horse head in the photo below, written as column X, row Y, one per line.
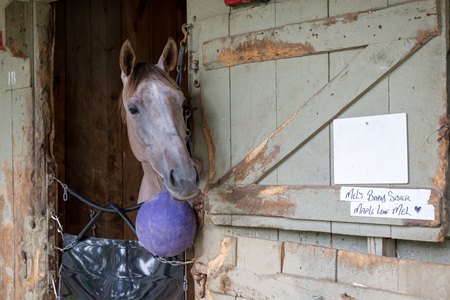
column 153, row 107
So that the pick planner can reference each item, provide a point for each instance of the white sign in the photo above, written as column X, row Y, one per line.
column 389, row 203
column 370, row 150
column 385, row 195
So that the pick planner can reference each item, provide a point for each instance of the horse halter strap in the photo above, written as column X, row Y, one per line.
column 187, row 112
column 187, row 109
column 181, row 54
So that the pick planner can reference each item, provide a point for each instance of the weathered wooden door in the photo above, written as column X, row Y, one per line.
column 25, row 128
column 272, row 79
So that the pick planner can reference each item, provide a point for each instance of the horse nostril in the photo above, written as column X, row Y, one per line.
column 172, row 178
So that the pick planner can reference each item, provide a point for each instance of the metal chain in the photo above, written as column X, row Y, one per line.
column 94, row 226
column 63, row 185
column 68, row 247
column 174, row 263
column 55, row 292
column 58, row 223
column 73, row 243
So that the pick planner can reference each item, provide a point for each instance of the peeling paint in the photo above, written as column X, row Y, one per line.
column 7, row 210
column 36, row 274
column 260, row 200
column 254, row 50
column 346, row 296
column 223, row 262
column 198, row 272
column 211, row 148
column 273, row 190
column 352, row 17
column 257, row 159
column 330, row 21
column 6, row 195
column 366, row 261
column 441, row 174
column 225, row 283
column 440, row 177
column 423, row 36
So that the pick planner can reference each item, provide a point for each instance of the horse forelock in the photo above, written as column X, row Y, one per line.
column 143, row 72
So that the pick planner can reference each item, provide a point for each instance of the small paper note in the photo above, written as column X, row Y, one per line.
column 368, row 194
column 392, row 210
column 389, row 202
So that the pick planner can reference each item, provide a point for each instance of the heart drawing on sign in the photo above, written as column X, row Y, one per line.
column 417, row 208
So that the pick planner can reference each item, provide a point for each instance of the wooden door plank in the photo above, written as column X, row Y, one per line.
column 361, row 229
column 375, row 102
column 426, row 252
column 340, row 7
column 215, row 107
column 40, row 231
column 253, row 106
column 295, row 85
column 315, row 203
column 415, row 233
column 106, row 143
column 252, row 87
column 199, row 11
column 293, row 11
column 252, row 19
column 7, row 249
column 365, row 71
column 405, row 21
column 135, row 23
column 79, row 116
column 417, row 88
column 243, row 283
column 278, row 222
column 30, row 260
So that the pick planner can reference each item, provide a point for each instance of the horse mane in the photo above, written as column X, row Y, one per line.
column 141, row 72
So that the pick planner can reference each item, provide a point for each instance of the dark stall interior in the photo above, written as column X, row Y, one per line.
column 90, row 143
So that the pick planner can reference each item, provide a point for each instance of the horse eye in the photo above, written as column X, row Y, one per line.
column 133, row 110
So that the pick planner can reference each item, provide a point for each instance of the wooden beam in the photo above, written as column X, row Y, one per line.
column 243, row 283
column 330, row 34
column 413, row 233
column 347, row 87
column 314, row 203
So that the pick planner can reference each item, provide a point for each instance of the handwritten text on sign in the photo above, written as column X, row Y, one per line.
column 389, row 203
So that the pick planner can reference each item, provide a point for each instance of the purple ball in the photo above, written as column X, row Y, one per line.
column 164, row 226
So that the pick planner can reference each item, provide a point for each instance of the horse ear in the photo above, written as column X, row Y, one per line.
column 127, row 58
column 168, row 59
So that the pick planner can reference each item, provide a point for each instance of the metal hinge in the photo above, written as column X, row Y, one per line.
column 185, row 284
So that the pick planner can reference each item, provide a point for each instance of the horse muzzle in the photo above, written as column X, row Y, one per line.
column 182, row 184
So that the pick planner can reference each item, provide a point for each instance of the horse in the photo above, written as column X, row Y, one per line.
column 152, row 108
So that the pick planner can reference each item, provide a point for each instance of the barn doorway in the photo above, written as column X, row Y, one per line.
column 90, row 143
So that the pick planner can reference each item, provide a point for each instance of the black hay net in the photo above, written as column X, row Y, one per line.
column 98, row 268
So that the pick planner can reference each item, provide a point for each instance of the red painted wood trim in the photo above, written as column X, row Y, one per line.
column 237, row 2
column 2, row 47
